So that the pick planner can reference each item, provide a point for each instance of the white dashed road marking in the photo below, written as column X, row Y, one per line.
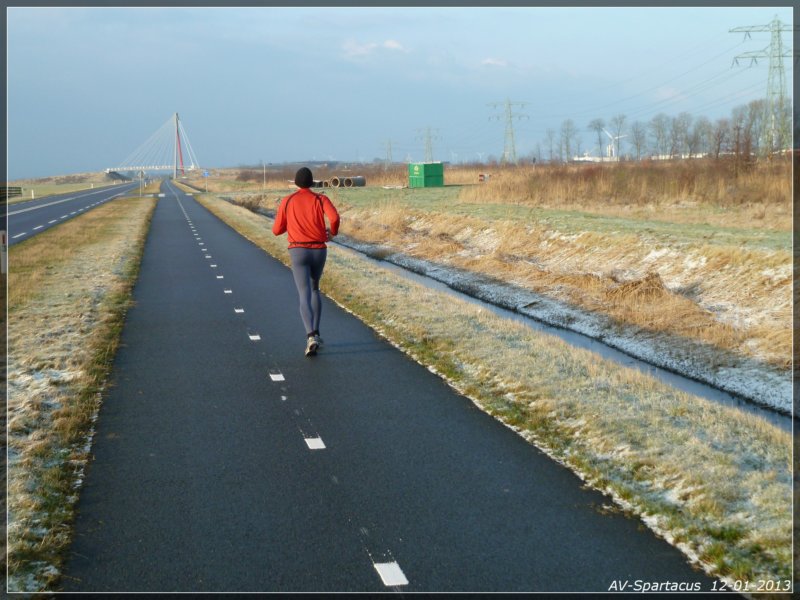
column 51, row 222
column 213, row 266
column 238, row 310
column 220, row 276
column 277, row 377
column 315, row 443
column 228, row 291
column 254, row 337
column 13, row 237
column 38, row 227
column 391, row 574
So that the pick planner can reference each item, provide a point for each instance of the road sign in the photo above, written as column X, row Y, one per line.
column 205, row 173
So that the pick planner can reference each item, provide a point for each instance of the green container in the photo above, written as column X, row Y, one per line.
column 425, row 175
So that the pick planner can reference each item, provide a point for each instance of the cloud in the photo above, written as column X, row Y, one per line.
column 353, row 49
column 669, row 93
column 494, row 62
column 394, row 45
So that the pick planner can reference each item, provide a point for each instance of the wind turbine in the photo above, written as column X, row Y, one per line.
column 610, row 148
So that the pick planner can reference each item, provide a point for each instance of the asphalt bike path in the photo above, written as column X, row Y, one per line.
column 26, row 219
column 226, row 460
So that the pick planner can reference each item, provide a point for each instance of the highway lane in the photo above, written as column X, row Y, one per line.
column 225, row 460
column 26, row 219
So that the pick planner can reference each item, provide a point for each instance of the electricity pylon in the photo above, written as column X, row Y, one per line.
column 509, row 147
column 428, row 143
column 776, row 135
column 388, row 162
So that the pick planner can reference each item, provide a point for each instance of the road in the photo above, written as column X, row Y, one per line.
column 226, row 460
column 26, row 219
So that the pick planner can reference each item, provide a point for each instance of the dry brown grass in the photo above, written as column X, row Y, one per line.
column 714, row 479
column 609, row 274
column 65, row 314
column 723, row 295
column 677, row 191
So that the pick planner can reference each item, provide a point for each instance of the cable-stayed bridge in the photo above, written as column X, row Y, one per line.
column 163, row 151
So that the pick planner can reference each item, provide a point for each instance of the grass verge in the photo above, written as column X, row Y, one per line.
column 713, row 481
column 69, row 290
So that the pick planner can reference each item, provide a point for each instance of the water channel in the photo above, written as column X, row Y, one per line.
column 579, row 340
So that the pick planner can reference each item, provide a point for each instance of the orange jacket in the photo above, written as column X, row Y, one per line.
column 302, row 214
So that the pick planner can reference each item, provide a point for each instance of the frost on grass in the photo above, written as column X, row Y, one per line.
column 743, row 376
column 51, row 350
column 662, row 451
column 723, row 306
column 714, row 481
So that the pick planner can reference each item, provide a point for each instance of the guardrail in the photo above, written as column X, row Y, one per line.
column 9, row 191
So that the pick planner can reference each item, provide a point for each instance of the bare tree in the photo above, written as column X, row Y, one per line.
column 678, row 132
column 617, row 126
column 697, row 141
column 758, row 128
column 658, row 130
column 741, row 138
column 597, row 126
column 638, row 137
column 551, row 138
column 720, row 135
column 568, row 133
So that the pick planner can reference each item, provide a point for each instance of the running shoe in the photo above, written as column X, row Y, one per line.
column 311, row 346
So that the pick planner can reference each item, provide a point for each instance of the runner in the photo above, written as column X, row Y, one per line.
column 302, row 215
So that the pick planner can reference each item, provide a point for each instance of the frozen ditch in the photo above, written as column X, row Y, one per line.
column 579, row 340
column 680, row 381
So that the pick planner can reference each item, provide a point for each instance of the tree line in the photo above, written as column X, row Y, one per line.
column 745, row 133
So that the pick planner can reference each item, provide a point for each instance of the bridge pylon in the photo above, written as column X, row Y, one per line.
column 163, row 151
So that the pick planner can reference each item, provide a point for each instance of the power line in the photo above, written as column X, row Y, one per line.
column 509, row 145
column 388, row 161
column 776, row 131
column 429, row 137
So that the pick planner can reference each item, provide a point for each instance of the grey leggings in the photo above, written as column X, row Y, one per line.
column 307, row 265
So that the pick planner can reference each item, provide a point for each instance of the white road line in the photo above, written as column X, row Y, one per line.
column 38, row 227
column 284, row 398
column 254, row 338
column 391, row 574
column 51, row 222
column 13, row 237
column 213, row 266
column 64, row 216
column 16, row 212
column 277, row 377
column 208, row 256
column 228, row 291
column 220, row 276
column 238, row 310
column 73, row 212
column 317, row 444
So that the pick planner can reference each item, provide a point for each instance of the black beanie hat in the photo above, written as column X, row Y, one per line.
column 304, row 178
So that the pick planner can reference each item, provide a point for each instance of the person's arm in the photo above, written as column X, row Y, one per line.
column 333, row 215
column 280, row 219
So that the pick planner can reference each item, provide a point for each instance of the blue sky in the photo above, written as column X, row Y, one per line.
column 86, row 86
